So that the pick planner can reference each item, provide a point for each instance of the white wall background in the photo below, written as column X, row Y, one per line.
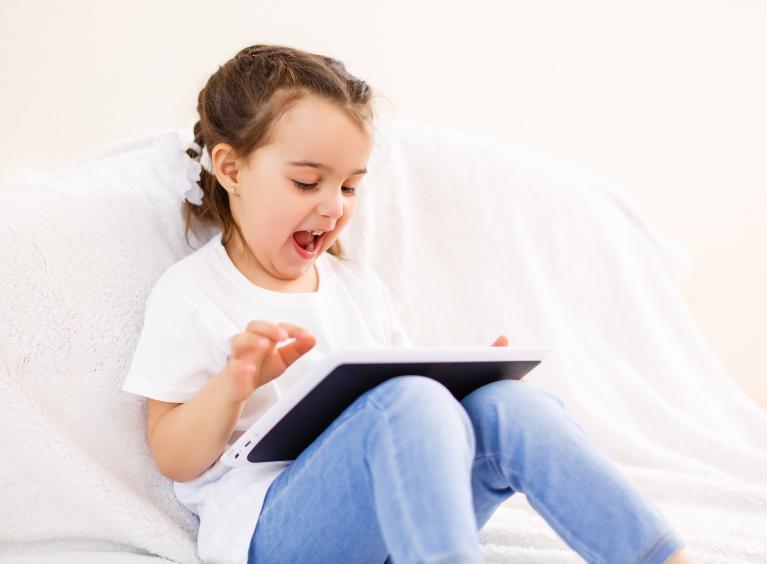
column 665, row 98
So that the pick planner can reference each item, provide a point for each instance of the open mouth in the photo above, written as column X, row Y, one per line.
column 307, row 244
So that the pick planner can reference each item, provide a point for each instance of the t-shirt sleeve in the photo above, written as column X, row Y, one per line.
column 175, row 356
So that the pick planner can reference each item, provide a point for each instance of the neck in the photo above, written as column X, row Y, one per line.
column 242, row 257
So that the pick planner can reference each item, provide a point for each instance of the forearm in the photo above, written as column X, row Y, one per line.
column 187, row 440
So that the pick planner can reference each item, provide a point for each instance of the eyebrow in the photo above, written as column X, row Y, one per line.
column 322, row 166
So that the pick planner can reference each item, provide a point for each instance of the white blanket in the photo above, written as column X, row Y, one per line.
column 475, row 238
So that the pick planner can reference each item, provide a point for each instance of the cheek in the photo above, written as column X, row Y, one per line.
column 349, row 208
column 275, row 225
column 343, row 221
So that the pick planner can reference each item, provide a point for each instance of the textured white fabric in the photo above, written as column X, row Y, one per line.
column 472, row 237
column 193, row 311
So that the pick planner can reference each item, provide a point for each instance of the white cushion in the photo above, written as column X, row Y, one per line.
column 475, row 239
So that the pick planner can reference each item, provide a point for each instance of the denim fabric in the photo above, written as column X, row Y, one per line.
column 407, row 473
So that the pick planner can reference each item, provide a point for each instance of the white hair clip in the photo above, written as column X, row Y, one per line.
column 178, row 169
column 203, row 156
column 193, row 194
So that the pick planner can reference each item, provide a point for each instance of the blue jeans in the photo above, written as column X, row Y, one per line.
column 407, row 473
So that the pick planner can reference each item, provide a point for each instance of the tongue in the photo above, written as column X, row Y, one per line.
column 303, row 237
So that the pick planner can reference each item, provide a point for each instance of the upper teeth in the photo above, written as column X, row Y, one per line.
column 317, row 232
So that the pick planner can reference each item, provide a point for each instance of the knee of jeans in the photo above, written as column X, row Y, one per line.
column 422, row 401
column 511, row 401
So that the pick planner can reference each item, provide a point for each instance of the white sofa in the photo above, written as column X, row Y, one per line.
column 475, row 239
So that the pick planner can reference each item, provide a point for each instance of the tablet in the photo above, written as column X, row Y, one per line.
column 290, row 425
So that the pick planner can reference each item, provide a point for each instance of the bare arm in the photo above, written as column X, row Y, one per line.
column 186, row 439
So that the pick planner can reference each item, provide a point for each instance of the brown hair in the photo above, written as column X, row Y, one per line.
column 241, row 103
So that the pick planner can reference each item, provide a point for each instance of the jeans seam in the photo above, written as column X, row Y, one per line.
column 408, row 517
column 496, row 467
column 653, row 547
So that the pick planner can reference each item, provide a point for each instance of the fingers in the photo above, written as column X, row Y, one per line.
column 261, row 336
column 258, row 336
column 246, row 345
column 303, row 342
column 241, row 366
column 267, row 329
column 294, row 330
column 501, row 341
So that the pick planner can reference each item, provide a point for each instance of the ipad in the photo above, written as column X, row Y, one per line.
column 308, row 408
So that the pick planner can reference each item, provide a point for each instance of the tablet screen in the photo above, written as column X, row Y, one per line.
column 314, row 413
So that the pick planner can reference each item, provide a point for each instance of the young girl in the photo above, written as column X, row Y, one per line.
column 407, row 473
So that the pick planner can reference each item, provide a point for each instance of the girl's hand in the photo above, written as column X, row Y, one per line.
column 503, row 341
column 254, row 360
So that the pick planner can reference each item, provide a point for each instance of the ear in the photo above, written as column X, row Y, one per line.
column 226, row 166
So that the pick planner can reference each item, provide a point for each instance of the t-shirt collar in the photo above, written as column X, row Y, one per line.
column 282, row 299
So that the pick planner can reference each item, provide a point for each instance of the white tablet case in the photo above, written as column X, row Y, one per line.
column 341, row 376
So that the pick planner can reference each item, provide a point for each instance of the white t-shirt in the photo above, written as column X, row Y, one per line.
column 192, row 312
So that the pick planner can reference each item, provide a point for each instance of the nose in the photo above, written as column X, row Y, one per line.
column 332, row 204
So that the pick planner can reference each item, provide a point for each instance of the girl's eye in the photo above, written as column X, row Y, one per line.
column 303, row 186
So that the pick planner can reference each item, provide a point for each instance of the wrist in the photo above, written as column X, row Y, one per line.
column 223, row 391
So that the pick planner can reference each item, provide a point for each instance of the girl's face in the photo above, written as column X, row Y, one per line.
column 267, row 194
